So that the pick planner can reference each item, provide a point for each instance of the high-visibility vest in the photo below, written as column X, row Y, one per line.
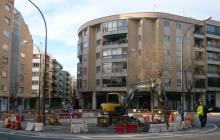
column 200, row 110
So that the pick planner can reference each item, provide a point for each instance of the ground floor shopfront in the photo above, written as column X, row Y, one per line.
column 144, row 100
column 18, row 104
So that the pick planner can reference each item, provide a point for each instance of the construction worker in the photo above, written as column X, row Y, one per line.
column 200, row 113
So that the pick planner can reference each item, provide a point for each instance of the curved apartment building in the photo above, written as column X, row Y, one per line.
column 117, row 51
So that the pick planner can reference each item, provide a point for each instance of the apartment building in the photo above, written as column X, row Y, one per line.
column 6, row 27
column 54, row 88
column 37, row 76
column 57, row 84
column 15, row 66
column 67, row 93
column 24, row 61
column 117, row 51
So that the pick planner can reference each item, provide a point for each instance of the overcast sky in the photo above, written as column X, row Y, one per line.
column 64, row 17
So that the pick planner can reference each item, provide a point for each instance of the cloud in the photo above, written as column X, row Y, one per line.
column 64, row 17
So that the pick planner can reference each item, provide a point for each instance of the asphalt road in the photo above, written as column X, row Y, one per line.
column 213, row 135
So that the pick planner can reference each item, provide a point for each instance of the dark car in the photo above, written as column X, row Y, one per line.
column 213, row 109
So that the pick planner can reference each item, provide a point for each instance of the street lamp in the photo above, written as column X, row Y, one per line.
column 182, row 41
column 45, row 60
column 39, row 83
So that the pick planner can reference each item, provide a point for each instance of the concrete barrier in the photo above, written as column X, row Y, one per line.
column 35, row 127
column 79, row 127
column 156, row 128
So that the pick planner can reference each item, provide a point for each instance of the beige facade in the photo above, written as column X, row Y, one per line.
column 6, row 26
column 117, row 51
column 16, row 61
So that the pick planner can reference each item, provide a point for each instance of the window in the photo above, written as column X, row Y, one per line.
column 6, row 34
column 213, row 82
column 21, row 89
column 178, row 26
column 35, row 73
column 212, row 69
column 119, row 66
column 166, row 24
column 84, row 71
column 4, row 60
column 4, row 88
column 97, row 82
column 35, row 82
column 7, row 20
column 167, row 38
column 7, row 7
column 178, row 40
column 178, row 82
column 107, row 68
column 21, row 77
column 209, row 42
column 200, row 83
column 5, row 47
column 98, row 69
column 98, row 28
column 114, row 53
column 115, row 25
column 36, row 65
column 4, row 74
column 98, row 55
column 114, row 81
column 210, row 28
column 98, row 42
column 84, row 83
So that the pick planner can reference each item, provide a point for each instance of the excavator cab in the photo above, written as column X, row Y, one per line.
column 114, row 101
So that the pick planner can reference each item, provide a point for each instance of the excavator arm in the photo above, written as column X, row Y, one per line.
column 148, row 85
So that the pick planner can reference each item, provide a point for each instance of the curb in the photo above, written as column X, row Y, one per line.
column 210, row 128
column 213, row 114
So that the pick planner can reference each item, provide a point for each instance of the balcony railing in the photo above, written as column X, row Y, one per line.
column 213, row 33
column 198, row 32
column 213, row 46
column 213, row 59
column 115, row 43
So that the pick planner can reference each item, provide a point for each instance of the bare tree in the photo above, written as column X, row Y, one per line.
column 13, row 97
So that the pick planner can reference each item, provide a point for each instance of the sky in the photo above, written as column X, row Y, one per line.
column 64, row 17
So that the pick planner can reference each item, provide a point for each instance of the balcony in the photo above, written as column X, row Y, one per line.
column 215, row 35
column 199, row 34
column 214, row 61
column 199, row 48
column 110, row 31
column 213, row 48
column 213, row 74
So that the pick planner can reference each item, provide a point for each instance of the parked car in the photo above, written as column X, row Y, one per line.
column 213, row 109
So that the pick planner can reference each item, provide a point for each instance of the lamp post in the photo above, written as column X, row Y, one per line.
column 39, row 83
column 45, row 60
column 182, row 41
